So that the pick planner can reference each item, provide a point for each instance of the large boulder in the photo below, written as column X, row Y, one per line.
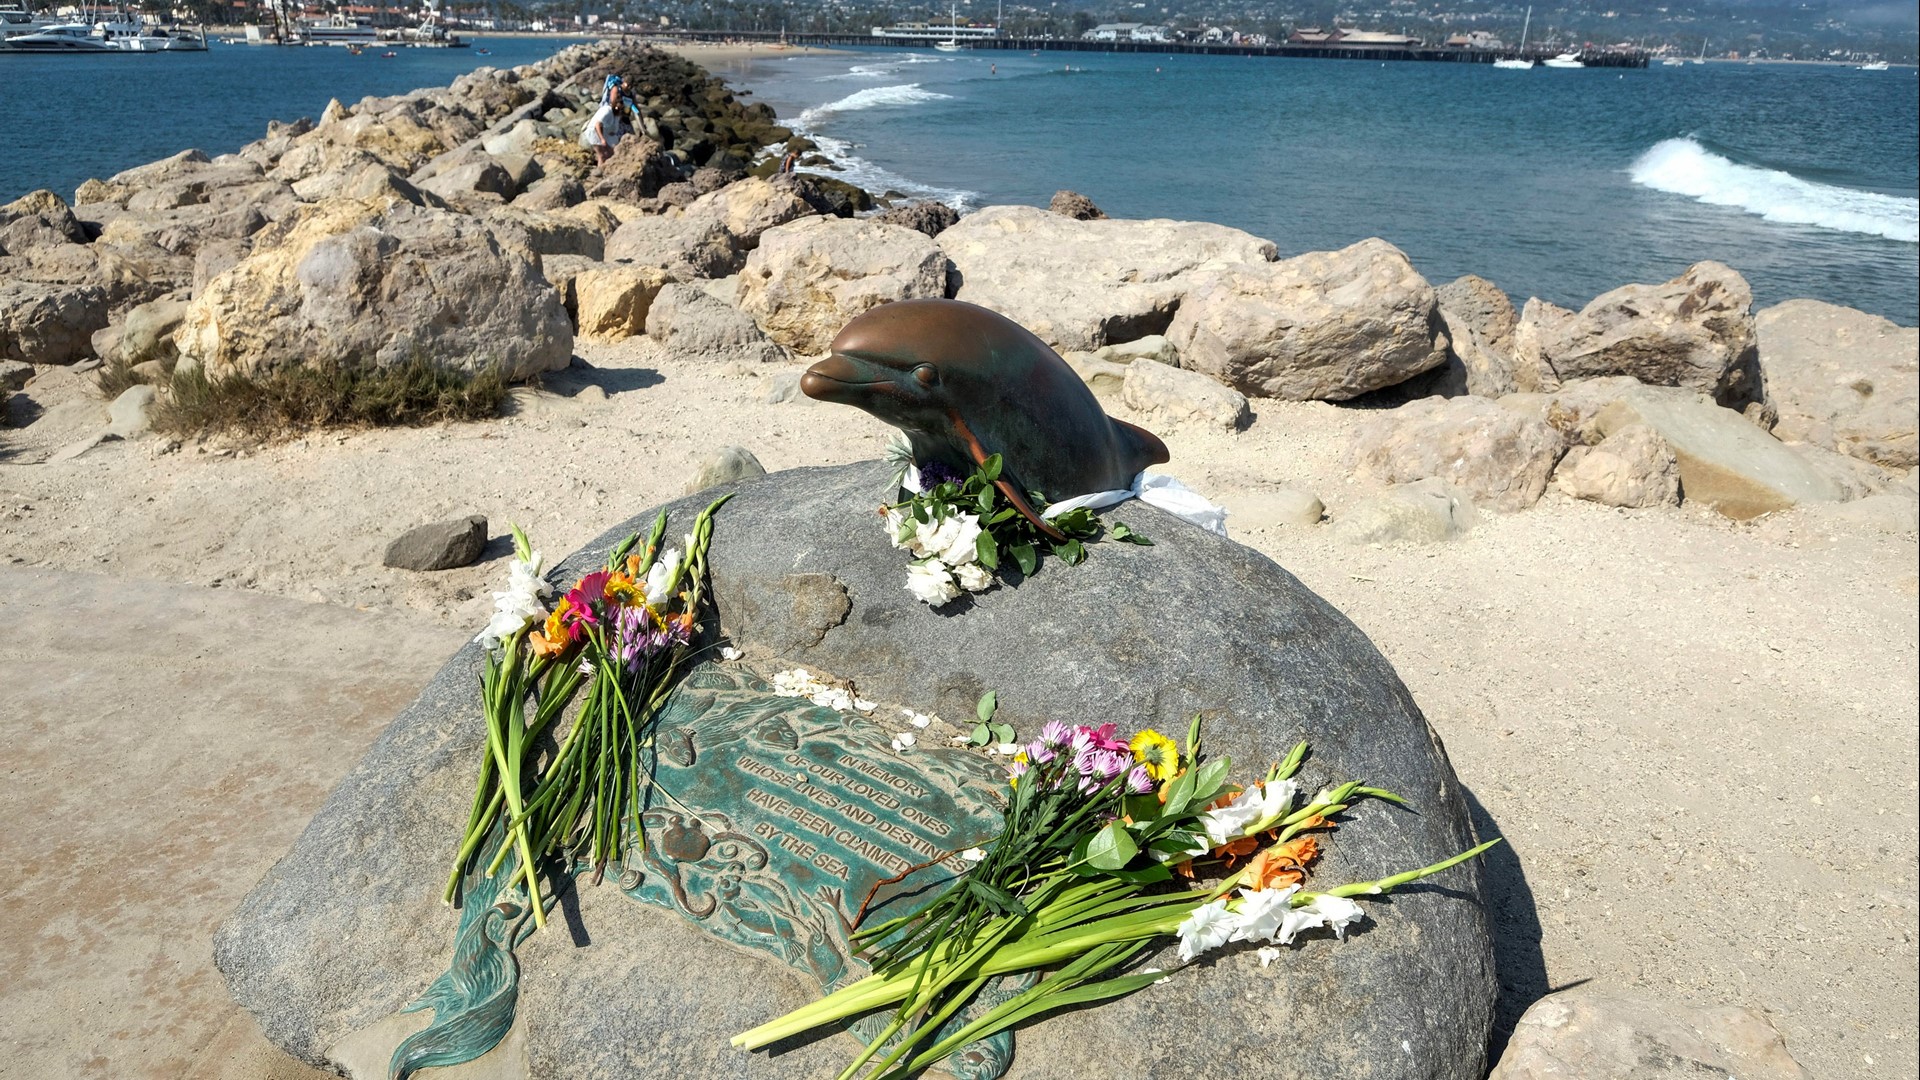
column 613, row 301
column 49, row 324
column 365, row 284
column 638, row 169
column 809, row 278
column 1079, row 285
column 1632, row 467
column 1695, row 331
column 1725, row 461
column 1842, row 379
column 1502, row 457
column 927, row 216
column 1327, row 325
column 348, row 927
column 694, row 324
column 686, row 247
column 576, row 230
column 750, row 207
column 1170, row 394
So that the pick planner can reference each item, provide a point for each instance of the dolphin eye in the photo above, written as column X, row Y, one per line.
column 927, row 375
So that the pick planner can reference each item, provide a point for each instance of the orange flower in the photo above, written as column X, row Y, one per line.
column 555, row 638
column 633, row 567
column 1278, row 867
column 621, row 587
column 1234, row 849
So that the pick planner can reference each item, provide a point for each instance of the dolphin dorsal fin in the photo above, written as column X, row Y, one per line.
column 1146, row 447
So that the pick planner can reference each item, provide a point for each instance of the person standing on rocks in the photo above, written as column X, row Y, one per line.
column 606, row 127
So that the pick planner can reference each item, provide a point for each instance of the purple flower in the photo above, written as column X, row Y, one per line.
column 1054, row 734
column 1138, row 782
column 640, row 634
column 1039, row 752
column 935, row 473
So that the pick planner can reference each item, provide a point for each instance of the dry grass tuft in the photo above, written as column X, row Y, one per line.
column 115, row 377
column 290, row 401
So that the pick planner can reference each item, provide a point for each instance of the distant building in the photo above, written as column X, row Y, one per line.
column 1127, row 32
column 1313, row 35
column 1478, row 39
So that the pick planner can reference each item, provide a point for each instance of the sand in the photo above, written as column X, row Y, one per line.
column 1697, row 736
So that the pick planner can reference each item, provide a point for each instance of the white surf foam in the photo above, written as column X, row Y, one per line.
column 873, row 97
column 860, row 172
column 862, row 71
column 1684, row 167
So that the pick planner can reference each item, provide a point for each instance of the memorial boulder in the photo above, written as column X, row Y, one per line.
column 787, row 812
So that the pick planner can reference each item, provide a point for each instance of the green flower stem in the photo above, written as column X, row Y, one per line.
column 1388, row 884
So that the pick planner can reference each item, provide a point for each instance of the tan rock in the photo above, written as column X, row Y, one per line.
column 688, row 247
column 1842, row 379
column 750, row 207
column 1178, row 396
column 1724, row 461
column 1479, row 322
column 1328, row 325
column 1634, row 466
column 1099, row 375
column 612, row 301
column 1598, row 1034
column 1502, row 457
column 368, row 283
column 44, row 323
column 1423, row 512
column 1079, row 285
column 576, row 230
column 809, row 278
column 1695, row 331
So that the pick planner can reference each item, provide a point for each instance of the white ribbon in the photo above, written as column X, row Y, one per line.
column 1154, row 489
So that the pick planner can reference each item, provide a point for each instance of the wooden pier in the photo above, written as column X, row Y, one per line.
column 1600, row 58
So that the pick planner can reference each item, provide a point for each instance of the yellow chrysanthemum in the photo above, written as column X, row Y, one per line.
column 1158, row 753
column 622, row 588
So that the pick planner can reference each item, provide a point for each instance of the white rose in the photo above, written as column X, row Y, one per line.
column 930, row 583
column 960, row 539
column 895, row 519
column 973, row 577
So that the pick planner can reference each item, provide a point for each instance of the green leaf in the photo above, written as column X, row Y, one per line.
column 1002, row 732
column 990, row 468
column 1072, row 552
column 998, row 899
column 1146, row 875
column 1026, row 557
column 987, row 551
column 1003, row 516
column 988, row 703
column 1193, row 740
column 1208, row 780
column 1126, row 535
column 1179, row 795
column 980, row 736
column 1111, row 848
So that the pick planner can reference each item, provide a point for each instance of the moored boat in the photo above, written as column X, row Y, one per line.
column 62, row 39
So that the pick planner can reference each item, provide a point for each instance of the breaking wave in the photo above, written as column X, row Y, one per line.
column 1684, row 167
column 873, row 98
column 860, row 172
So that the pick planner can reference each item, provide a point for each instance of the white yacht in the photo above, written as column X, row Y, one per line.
column 16, row 19
column 62, row 38
column 339, row 29
column 1518, row 61
column 1877, row 65
column 1565, row 60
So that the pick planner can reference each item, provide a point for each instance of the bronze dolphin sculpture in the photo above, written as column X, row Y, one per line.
column 965, row 383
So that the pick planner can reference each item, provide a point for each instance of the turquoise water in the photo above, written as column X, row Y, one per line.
column 1558, row 184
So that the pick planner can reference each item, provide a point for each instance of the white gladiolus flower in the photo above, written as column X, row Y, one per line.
column 660, row 573
column 930, row 583
column 1335, row 912
column 1262, row 912
column 519, row 605
column 1276, row 799
column 1230, row 822
column 973, row 577
column 1207, row 928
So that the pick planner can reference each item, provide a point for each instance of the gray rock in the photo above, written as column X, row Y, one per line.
column 49, row 324
column 1423, row 512
column 685, row 247
column 127, row 416
column 1634, row 466
column 1896, row 513
column 1099, row 375
column 14, row 374
column 37, row 219
column 783, row 387
column 1599, row 1034
column 147, row 333
column 931, row 218
column 1291, row 506
column 728, row 465
column 347, row 927
column 1177, row 396
column 441, row 545
column 1151, row 347
column 808, row 278
column 1503, row 457
column 1479, row 320
column 692, row 323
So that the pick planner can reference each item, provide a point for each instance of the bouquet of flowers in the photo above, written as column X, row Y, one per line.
column 622, row 633
column 959, row 529
column 1095, row 826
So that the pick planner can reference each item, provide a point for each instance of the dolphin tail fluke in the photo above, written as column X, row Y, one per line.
column 1146, row 446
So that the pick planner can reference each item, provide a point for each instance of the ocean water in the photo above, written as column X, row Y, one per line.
column 1557, row 184
column 66, row 118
